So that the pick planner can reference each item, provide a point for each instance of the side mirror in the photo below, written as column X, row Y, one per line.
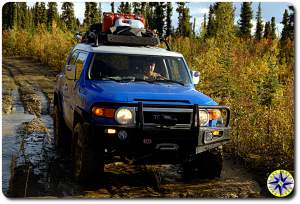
column 70, row 71
column 78, row 36
column 196, row 77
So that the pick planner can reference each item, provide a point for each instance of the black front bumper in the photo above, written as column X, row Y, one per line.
column 144, row 141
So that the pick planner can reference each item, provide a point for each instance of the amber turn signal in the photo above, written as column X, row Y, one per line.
column 103, row 112
column 214, row 114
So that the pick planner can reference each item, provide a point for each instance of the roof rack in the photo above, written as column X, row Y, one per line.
column 112, row 39
column 120, row 35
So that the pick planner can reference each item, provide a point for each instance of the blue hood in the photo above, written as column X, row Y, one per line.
column 131, row 92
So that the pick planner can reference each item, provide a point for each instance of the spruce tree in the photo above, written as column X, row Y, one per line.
column 9, row 15
column 187, row 29
column 159, row 15
column 77, row 24
column 169, row 19
column 136, row 6
column 67, row 16
column 287, row 35
column 94, row 13
column 52, row 14
column 291, row 23
column 143, row 8
column 203, row 27
column 6, row 21
column 14, row 14
column 30, row 18
column 224, row 21
column 43, row 13
column 211, row 27
column 124, row 7
column 40, row 14
column 259, row 25
column 150, row 17
column 184, row 27
column 121, row 8
column 180, row 8
column 285, row 30
column 127, row 7
column 194, row 28
column 245, row 20
column 112, row 4
column 267, row 31
column 273, row 28
column 36, row 14
column 23, row 20
column 87, row 20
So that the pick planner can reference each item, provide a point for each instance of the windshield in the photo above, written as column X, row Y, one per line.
column 152, row 69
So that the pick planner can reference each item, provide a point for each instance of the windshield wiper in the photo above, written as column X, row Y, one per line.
column 126, row 79
column 111, row 78
column 149, row 81
column 119, row 79
column 168, row 81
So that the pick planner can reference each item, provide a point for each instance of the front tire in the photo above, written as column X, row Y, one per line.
column 61, row 133
column 88, row 163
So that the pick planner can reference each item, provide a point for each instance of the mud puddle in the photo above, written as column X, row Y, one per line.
column 27, row 146
column 11, row 124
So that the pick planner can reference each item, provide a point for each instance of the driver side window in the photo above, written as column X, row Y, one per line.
column 79, row 64
column 73, row 58
column 71, row 61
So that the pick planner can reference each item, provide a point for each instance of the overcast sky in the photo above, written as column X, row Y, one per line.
column 197, row 10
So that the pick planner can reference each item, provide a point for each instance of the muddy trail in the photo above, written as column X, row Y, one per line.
column 33, row 168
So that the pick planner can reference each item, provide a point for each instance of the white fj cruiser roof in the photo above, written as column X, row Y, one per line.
column 127, row 50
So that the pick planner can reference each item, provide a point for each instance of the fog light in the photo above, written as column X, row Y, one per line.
column 110, row 131
column 122, row 135
column 216, row 133
column 208, row 136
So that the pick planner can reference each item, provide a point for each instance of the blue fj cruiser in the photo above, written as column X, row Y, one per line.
column 138, row 104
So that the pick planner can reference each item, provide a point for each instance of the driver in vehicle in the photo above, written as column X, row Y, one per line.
column 149, row 72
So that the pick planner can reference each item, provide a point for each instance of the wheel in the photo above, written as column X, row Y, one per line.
column 61, row 133
column 88, row 163
column 208, row 164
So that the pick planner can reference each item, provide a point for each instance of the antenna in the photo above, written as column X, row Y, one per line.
column 166, row 43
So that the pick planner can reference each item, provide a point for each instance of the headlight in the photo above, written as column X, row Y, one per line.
column 203, row 117
column 124, row 116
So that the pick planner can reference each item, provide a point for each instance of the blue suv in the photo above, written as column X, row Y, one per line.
column 136, row 104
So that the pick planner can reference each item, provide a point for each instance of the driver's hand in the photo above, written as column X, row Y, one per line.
column 160, row 77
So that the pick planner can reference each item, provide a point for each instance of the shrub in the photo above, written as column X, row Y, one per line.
column 50, row 48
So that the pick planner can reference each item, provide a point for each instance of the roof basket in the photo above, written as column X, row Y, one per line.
column 130, row 40
column 122, row 29
column 121, row 36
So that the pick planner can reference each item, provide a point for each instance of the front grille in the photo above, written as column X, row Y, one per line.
column 167, row 118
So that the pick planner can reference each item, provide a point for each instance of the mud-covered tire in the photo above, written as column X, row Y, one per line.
column 207, row 165
column 61, row 133
column 88, row 165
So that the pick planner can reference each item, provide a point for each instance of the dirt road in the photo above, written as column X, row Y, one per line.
column 33, row 168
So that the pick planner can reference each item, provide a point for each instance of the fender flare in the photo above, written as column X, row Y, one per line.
column 83, row 115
